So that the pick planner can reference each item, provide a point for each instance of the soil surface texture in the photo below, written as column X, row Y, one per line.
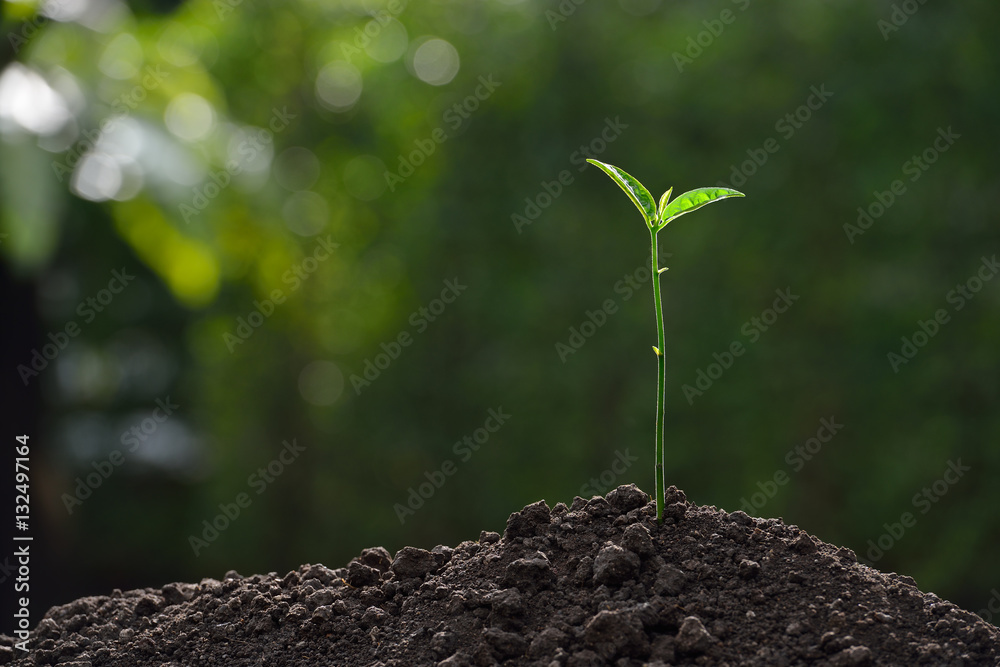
column 596, row 583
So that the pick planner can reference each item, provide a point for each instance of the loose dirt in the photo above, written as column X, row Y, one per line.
column 596, row 583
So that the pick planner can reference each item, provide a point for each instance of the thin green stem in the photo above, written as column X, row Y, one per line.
column 661, row 371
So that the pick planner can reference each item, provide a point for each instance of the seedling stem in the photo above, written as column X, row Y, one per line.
column 656, row 217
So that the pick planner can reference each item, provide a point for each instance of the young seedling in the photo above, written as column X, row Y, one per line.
column 657, row 217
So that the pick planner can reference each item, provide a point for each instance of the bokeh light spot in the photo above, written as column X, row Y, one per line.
column 97, row 178
column 132, row 178
column 27, row 101
column 122, row 57
column 338, row 86
column 189, row 116
column 252, row 148
column 296, row 168
column 390, row 43
column 435, row 62
column 305, row 213
column 321, row 383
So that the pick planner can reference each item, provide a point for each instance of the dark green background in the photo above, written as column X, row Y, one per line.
column 685, row 124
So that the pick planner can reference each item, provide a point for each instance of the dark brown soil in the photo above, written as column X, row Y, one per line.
column 597, row 583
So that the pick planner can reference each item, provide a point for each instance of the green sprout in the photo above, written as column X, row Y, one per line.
column 657, row 217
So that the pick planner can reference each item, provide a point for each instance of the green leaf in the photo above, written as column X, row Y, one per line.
column 693, row 200
column 634, row 189
column 663, row 204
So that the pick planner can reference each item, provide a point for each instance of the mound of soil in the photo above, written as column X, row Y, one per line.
column 596, row 583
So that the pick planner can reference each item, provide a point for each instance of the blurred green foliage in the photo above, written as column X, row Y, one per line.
column 208, row 148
